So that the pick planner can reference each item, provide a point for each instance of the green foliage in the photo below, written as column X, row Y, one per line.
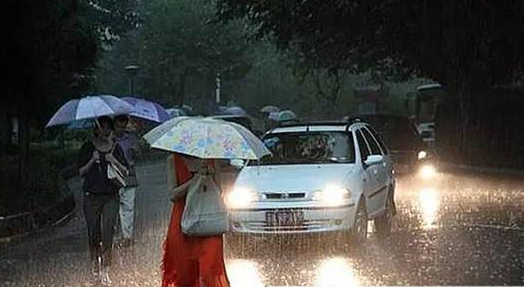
column 110, row 18
column 455, row 42
column 42, row 190
column 183, row 48
column 50, row 47
column 273, row 81
column 180, row 47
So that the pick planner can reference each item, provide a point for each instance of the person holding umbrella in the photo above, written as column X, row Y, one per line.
column 98, row 162
column 194, row 256
column 101, row 198
column 128, row 142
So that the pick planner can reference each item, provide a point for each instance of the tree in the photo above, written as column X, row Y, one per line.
column 450, row 41
column 183, row 47
column 49, row 48
column 469, row 46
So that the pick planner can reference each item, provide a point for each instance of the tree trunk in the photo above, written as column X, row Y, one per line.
column 182, row 79
column 24, row 153
column 5, row 135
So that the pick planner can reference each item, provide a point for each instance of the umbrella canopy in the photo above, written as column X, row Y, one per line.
column 283, row 116
column 236, row 111
column 90, row 107
column 81, row 124
column 273, row 116
column 188, row 110
column 207, row 138
column 175, row 112
column 161, row 130
column 148, row 110
column 270, row 109
column 221, row 110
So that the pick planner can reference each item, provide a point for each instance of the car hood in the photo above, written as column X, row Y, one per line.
column 293, row 177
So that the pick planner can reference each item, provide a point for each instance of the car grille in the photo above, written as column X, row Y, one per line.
column 310, row 225
column 285, row 196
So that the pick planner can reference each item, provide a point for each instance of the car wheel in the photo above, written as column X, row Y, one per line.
column 359, row 232
column 383, row 223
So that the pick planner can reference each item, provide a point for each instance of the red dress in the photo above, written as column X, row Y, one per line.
column 191, row 261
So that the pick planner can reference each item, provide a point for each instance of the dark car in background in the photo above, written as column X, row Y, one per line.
column 244, row 120
column 408, row 150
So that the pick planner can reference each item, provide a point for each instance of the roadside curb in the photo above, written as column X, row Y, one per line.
column 20, row 225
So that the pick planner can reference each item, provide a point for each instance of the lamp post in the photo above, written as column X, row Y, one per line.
column 132, row 71
column 217, row 91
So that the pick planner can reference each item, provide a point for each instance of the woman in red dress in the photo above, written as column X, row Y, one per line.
column 189, row 261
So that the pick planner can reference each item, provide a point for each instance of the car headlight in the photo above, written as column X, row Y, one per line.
column 240, row 197
column 422, row 154
column 332, row 195
column 428, row 171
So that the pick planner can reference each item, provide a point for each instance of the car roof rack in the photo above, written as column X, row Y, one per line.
column 353, row 119
column 312, row 123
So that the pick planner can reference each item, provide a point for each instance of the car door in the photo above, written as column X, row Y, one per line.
column 369, row 183
column 385, row 151
column 379, row 172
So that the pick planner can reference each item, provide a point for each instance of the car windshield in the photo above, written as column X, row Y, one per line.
column 309, row 148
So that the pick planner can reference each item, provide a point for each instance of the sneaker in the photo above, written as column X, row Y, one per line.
column 104, row 277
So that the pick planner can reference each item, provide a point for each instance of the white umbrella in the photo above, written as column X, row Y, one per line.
column 270, row 109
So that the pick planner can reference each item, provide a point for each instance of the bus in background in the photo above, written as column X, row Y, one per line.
column 425, row 107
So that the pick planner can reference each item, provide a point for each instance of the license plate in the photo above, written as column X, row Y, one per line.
column 284, row 218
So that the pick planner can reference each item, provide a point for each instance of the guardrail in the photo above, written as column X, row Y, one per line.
column 25, row 223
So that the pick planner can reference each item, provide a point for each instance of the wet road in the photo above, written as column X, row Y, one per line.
column 456, row 229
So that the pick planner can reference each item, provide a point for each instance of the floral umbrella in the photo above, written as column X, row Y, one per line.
column 207, row 139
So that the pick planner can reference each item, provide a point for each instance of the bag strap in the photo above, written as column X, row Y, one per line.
column 113, row 148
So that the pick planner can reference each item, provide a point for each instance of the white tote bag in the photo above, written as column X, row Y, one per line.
column 114, row 174
column 117, row 176
column 205, row 212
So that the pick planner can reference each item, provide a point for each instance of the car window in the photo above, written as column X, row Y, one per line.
column 375, row 149
column 309, row 148
column 362, row 146
column 381, row 143
column 397, row 132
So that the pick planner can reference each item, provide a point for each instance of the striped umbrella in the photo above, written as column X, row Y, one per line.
column 90, row 107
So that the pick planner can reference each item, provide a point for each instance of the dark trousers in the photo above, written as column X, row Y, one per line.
column 101, row 213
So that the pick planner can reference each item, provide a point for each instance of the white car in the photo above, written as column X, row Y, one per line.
column 322, row 177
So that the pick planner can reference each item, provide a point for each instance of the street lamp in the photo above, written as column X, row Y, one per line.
column 217, row 91
column 132, row 70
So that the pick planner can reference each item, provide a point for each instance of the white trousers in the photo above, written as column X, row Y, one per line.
column 127, row 211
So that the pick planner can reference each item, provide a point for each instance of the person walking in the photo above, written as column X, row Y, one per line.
column 131, row 148
column 101, row 197
column 190, row 261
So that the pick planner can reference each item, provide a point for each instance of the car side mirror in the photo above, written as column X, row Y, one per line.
column 237, row 163
column 374, row 160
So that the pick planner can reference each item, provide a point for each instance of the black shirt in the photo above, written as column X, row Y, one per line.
column 95, row 180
